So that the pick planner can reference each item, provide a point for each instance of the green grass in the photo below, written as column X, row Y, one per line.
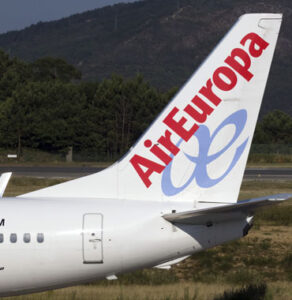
column 31, row 155
column 274, row 215
column 269, row 165
column 22, row 185
column 178, row 291
column 43, row 158
column 277, row 215
column 269, row 158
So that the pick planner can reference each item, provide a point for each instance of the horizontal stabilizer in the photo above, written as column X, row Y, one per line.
column 4, row 179
column 225, row 213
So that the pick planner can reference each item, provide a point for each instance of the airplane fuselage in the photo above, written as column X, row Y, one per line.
column 60, row 244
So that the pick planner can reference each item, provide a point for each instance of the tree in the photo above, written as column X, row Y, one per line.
column 13, row 73
column 16, row 118
column 275, row 128
column 125, row 108
column 41, row 115
column 49, row 68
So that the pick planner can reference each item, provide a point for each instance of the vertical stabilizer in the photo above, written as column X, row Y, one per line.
column 198, row 146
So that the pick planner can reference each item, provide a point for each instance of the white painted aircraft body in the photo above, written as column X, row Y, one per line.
column 173, row 194
column 131, row 238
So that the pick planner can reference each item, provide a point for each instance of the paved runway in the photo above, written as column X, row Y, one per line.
column 75, row 172
column 268, row 173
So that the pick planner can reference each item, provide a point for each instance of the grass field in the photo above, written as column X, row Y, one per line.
column 181, row 291
column 258, row 266
column 41, row 158
column 269, row 158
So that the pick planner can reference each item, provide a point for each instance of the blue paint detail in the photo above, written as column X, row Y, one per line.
column 201, row 161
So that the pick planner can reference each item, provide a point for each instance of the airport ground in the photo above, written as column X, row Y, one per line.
column 264, row 172
column 258, row 266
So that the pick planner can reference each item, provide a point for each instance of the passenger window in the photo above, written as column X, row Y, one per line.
column 13, row 237
column 1, row 238
column 26, row 237
column 40, row 237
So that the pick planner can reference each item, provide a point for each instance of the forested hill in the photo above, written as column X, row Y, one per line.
column 163, row 40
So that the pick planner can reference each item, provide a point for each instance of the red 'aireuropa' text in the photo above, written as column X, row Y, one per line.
column 225, row 79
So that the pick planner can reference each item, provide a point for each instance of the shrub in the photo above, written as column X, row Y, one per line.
column 250, row 292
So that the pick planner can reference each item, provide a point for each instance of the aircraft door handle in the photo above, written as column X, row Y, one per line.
column 95, row 240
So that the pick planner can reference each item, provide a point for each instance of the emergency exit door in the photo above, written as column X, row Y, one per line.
column 92, row 239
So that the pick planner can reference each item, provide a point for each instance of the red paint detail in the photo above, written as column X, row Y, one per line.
column 240, row 62
column 209, row 94
column 257, row 44
column 137, row 161
column 198, row 116
column 147, row 143
column 241, row 67
column 161, row 154
column 167, row 143
column 220, row 81
column 177, row 127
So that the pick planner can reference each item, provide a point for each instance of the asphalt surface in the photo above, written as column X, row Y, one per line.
column 268, row 173
column 75, row 172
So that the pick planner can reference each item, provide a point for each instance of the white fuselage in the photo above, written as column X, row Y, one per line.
column 87, row 239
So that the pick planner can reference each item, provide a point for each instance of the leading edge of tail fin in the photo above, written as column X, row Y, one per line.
column 198, row 146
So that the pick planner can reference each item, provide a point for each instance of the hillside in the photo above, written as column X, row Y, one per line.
column 164, row 40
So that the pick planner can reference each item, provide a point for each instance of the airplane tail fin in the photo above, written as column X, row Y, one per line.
column 198, row 146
